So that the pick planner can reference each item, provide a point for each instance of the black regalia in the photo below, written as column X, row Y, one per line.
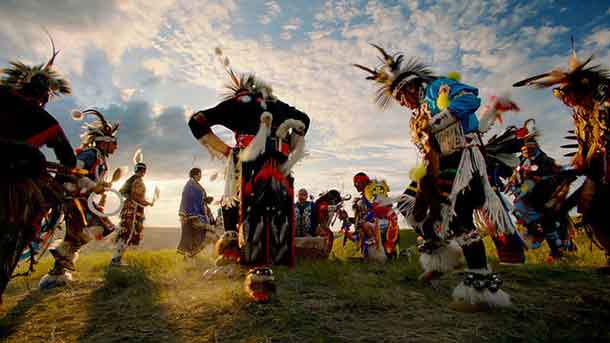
column 258, row 198
column 28, row 191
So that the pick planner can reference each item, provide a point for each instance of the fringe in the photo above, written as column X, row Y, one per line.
column 471, row 162
column 444, row 259
column 229, row 197
column 406, row 204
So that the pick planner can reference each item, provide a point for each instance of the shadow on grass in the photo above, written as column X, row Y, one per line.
column 323, row 301
column 13, row 319
column 127, row 308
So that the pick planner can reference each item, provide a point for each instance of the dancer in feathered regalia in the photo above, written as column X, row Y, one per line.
column 453, row 183
column 82, row 224
column 501, row 156
column 586, row 90
column 364, row 231
column 381, row 218
column 132, row 214
column 534, row 183
column 376, row 223
column 27, row 191
column 258, row 198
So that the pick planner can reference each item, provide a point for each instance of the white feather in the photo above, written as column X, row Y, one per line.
column 257, row 146
column 296, row 154
column 138, row 156
column 282, row 130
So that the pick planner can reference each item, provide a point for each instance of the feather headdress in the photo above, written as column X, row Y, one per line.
column 243, row 84
column 99, row 130
column 38, row 79
column 578, row 76
column 393, row 75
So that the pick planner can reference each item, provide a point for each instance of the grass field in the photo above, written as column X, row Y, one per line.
column 161, row 298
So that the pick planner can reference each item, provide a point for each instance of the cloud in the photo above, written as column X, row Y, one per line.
column 273, row 10
column 113, row 26
column 290, row 27
column 151, row 64
column 545, row 34
column 601, row 38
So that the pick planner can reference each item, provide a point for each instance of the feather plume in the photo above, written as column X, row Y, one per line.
column 242, row 83
column 393, row 75
column 493, row 112
column 53, row 53
column 138, row 156
column 576, row 74
column 99, row 128
column 20, row 76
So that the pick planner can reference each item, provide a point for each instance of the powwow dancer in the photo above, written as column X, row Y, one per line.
column 534, row 183
column 586, row 90
column 376, row 224
column 28, row 191
column 82, row 223
column 453, row 183
column 361, row 207
column 381, row 220
column 132, row 213
column 258, row 197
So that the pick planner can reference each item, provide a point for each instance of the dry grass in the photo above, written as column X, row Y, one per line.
column 161, row 298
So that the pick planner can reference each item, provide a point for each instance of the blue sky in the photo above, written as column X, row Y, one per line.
column 151, row 64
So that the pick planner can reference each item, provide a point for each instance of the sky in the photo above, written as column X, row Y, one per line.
column 151, row 64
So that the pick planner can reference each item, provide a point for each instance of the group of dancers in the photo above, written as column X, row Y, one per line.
column 38, row 195
column 454, row 193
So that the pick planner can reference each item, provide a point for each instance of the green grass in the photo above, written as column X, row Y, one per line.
column 161, row 298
